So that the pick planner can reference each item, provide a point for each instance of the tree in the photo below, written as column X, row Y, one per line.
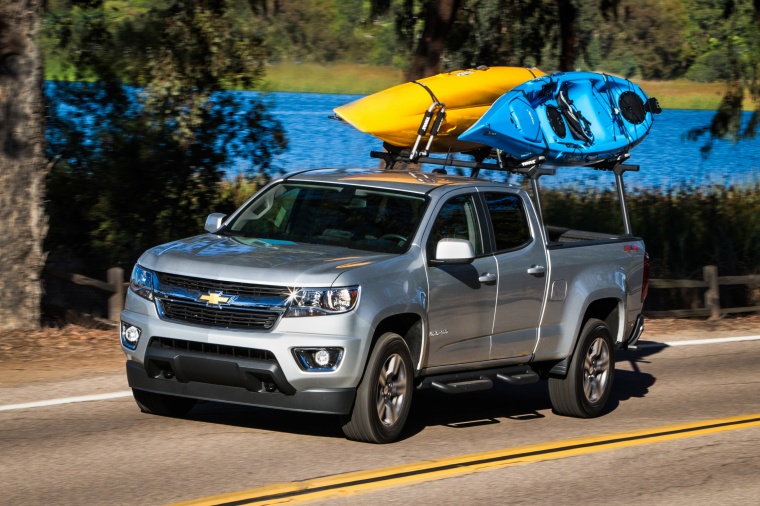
column 567, row 14
column 438, row 19
column 22, row 164
column 742, row 44
column 143, row 145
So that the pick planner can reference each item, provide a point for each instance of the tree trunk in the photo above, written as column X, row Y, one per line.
column 439, row 18
column 568, row 38
column 22, row 165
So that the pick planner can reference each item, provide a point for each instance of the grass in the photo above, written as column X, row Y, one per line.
column 338, row 78
column 364, row 79
column 683, row 94
column 352, row 78
column 684, row 229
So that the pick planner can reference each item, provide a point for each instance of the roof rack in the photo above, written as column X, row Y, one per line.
column 532, row 168
column 498, row 160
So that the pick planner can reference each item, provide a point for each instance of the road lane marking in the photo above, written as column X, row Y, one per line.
column 348, row 484
column 127, row 393
column 66, row 400
column 697, row 342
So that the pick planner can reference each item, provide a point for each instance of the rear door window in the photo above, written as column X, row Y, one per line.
column 509, row 220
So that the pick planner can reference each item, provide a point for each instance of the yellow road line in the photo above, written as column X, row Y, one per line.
column 344, row 485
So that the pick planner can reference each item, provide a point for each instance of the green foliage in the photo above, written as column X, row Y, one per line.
column 737, row 39
column 142, row 146
column 503, row 32
column 684, row 229
column 649, row 39
column 233, row 193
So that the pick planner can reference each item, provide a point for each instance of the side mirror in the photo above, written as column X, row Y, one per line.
column 454, row 251
column 214, row 222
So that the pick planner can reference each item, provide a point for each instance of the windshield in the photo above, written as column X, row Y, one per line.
column 348, row 216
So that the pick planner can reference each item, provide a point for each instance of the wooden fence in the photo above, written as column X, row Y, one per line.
column 115, row 287
column 712, row 282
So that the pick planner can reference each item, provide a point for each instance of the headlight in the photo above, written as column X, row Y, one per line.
column 142, row 282
column 322, row 301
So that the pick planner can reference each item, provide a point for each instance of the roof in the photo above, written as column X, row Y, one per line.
column 409, row 181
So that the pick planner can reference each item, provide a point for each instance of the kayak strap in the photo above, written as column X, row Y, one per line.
column 426, row 88
column 434, row 116
column 575, row 119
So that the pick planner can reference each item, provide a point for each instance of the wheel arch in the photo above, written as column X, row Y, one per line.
column 607, row 309
column 408, row 326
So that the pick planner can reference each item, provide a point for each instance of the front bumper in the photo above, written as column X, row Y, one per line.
column 246, row 367
column 235, row 382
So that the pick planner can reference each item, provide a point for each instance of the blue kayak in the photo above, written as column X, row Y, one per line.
column 571, row 118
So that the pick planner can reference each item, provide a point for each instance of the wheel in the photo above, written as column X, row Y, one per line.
column 162, row 404
column 384, row 394
column 583, row 393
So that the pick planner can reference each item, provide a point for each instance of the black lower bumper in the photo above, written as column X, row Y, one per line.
column 330, row 401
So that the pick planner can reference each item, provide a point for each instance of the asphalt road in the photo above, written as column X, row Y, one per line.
column 108, row 452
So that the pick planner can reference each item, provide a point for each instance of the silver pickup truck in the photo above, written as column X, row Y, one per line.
column 345, row 291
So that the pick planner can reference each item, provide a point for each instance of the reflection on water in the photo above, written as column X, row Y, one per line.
column 665, row 159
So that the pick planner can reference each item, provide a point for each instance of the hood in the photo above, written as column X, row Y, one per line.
column 257, row 261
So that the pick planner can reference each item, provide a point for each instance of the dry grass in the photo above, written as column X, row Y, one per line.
column 338, row 78
column 682, row 94
column 55, row 353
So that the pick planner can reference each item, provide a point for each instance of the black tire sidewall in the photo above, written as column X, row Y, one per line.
column 387, row 345
column 592, row 330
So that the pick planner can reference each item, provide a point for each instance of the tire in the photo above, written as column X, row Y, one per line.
column 384, row 394
column 162, row 404
column 584, row 392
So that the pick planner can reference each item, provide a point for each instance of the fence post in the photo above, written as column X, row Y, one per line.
column 115, row 276
column 712, row 295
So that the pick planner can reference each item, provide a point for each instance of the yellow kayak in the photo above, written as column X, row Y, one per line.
column 395, row 115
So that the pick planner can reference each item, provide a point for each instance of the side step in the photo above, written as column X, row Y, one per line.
column 524, row 378
column 474, row 381
column 459, row 387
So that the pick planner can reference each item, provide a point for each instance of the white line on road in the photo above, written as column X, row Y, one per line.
column 67, row 400
column 696, row 342
column 127, row 393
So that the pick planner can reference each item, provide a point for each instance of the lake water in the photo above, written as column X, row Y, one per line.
column 666, row 160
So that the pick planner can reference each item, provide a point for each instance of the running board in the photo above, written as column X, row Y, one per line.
column 525, row 378
column 474, row 381
column 460, row 387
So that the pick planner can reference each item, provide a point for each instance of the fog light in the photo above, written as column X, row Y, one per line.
column 322, row 358
column 318, row 359
column 130, row 335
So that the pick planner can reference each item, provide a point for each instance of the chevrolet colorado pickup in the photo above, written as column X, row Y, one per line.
column 345, row 291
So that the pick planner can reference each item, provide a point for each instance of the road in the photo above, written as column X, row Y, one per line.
column 108, row 452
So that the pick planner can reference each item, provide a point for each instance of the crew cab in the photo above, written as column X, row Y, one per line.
column 345, row 291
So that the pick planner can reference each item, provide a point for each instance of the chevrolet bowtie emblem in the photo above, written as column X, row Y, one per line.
column 214, row 298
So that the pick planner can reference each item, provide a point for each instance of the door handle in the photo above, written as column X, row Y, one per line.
column 537, row 270
column 487, row 278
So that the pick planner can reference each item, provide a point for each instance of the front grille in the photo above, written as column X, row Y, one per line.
column 219, row 350
column 227, row 287
column 214, row 316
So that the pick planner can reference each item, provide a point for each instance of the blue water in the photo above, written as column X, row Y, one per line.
column 665, row 159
